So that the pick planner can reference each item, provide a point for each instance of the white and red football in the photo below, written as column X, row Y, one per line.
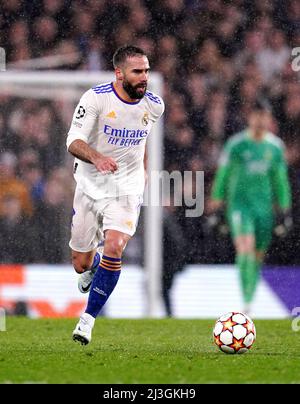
column 234, row 333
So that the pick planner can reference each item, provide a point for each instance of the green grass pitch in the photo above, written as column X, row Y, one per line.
column 144, row 351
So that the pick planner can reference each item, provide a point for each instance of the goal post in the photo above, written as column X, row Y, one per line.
column 48, row 85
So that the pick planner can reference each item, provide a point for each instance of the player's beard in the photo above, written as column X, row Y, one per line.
column 135, row 92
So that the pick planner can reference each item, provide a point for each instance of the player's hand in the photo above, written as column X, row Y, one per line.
column 105, row 165
column 283, row 223
column 213, row 206
column 216, row 220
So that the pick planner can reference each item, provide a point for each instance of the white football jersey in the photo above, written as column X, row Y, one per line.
column 116, row 129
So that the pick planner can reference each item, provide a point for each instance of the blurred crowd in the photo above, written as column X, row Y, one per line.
column 216, row 58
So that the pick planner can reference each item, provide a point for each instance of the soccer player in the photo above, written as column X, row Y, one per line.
column 107, row 137
column 252, row 184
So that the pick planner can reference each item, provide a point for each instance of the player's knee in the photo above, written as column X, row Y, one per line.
column 114, row 247
column 79, row 268
column 245, row 249
column 245, row 245
column 80, row 264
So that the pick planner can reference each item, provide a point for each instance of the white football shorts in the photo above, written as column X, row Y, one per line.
column 92, row 217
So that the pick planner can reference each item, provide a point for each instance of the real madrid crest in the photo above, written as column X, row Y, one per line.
column 145, row 119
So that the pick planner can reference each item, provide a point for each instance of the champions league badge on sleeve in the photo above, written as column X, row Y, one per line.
column 80, row 112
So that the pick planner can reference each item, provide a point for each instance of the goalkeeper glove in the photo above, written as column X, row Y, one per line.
column 217, row 222
column 283, row 224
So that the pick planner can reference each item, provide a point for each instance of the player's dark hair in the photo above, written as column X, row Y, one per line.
column 125, row 52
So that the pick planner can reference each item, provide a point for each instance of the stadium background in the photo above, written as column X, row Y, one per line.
column 215, row 58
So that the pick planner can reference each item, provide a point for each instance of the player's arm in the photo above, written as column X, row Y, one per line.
column 216, row 220
column 80, row 149
column 84, row 122
column 218, row 193
column 157, row 108
column 146, row 159
column 146, row 165
column 281, row 184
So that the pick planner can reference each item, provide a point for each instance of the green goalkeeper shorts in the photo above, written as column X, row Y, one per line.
column 244, row 222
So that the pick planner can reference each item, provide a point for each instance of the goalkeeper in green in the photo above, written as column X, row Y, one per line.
column 252, row 186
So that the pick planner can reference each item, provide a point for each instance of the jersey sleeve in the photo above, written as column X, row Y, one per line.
column 84, row 118
column 160, row 109
column 280, row 181
column 157, row 106
column 222, row 174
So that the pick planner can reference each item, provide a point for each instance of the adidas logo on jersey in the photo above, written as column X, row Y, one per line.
column 111, row 114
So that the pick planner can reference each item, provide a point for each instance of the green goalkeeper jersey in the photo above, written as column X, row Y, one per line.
column 253, row 174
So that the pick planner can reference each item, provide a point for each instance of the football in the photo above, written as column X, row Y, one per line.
column 234, row 333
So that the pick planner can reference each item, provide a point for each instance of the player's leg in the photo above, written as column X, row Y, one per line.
column 86, row 264
column 85, row 238
column 263, row 232
column 83, row 261
column 119, row 224
column 103, row 283
column 243, row 233
column 107, row 276
column 247, row 264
